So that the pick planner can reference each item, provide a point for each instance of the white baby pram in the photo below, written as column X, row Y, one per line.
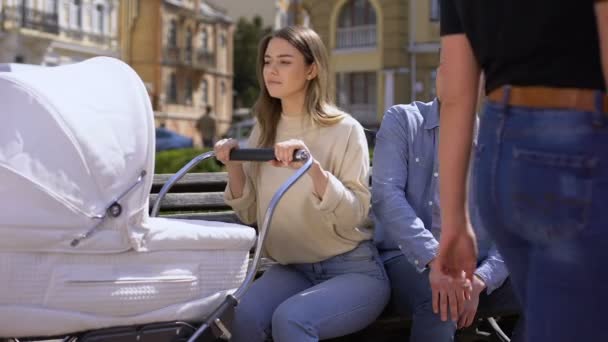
column 80, row 258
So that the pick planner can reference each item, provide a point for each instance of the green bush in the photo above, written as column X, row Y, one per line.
column 172, row 160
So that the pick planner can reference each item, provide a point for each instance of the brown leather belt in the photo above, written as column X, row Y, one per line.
column 545, row 97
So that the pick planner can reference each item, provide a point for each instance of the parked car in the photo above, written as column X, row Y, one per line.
column 169, row 140
column 241, row 131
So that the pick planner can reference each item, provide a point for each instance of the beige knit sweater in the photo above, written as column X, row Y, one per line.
column 306, row 229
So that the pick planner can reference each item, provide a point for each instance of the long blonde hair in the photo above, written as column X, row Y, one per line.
column 318, row 101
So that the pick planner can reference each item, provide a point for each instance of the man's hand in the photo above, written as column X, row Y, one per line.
column 448, row 291
column 470, row 306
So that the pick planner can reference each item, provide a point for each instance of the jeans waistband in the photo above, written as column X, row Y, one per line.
column 586, row 100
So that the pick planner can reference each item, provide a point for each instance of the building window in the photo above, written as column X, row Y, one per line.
column 434, row 16
column 205, row 91
column 204, row 40
column 223, row 39
column 305, row 18
column 356, row 25
column 172, row 39
column 52, row 6
column 188, row 91
column 100, row 15
column 172, row 89
column 433, row 83
column 292, row 14
column 356, row 94
column 223, row 88
column 19, row 59
column 283, row 19
column 297, row 15
column 76, row 13
column 189, row 37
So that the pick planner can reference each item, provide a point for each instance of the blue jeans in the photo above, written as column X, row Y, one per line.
column 309, row 302
column 542, row 184
column 411, row 297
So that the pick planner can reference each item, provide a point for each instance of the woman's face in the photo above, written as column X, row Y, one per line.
column 286, row 73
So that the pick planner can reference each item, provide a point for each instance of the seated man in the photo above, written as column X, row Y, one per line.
column 405, row 196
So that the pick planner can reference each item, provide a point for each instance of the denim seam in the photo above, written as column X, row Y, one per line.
column 499, row 138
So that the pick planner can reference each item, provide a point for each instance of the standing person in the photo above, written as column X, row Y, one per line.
column 206, row 127
column 541, row 170
column 329, row 281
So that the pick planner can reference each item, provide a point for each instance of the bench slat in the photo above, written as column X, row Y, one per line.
column 193, row 182
column 191, row 201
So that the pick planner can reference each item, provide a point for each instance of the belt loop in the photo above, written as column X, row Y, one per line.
column 506, row 96
column 598, row 113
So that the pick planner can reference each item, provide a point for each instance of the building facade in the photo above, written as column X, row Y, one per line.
column 274, row 13
column 248, row 9
column 291, row 12
column 383, row 52
column 183, row 50
column 56, row 32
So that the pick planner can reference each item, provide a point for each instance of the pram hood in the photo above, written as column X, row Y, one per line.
column 73, row 139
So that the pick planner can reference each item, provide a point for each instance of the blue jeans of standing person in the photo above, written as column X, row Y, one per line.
column 542, row 184
column 411, row 297
column 310, row 302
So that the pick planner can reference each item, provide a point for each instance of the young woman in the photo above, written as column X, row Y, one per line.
column 329, row 280
column 541, row 161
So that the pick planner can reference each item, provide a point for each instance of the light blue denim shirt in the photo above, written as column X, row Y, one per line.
column 405, row 180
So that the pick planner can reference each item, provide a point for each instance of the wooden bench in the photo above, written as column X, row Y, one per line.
column 200, row 196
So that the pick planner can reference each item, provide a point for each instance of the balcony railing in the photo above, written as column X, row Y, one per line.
column 41, row 21
column 171, row 55
column 205, row 59
column 186, row 57
column 99, row 38
column 189, row 58
column 356, row 37
column 365, row 113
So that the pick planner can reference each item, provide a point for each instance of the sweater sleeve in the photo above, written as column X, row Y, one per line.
column 346, row 201
column 245, row 206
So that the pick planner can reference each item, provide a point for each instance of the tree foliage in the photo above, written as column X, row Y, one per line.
column 246, row 39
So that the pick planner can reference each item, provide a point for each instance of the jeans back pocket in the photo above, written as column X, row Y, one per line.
column 550, row 194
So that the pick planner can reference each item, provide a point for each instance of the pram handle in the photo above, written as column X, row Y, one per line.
column 263, row 154
column 244, row 154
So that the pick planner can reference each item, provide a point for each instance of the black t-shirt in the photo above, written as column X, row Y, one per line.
column 530, row 42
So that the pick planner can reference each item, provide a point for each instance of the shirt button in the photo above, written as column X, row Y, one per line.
column 431, row 203
column 417, row 160
column 436, row 174
column 416, row 262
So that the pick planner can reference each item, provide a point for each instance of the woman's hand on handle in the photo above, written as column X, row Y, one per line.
column 284, row 152
column 236, row 175
column 222, row 151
